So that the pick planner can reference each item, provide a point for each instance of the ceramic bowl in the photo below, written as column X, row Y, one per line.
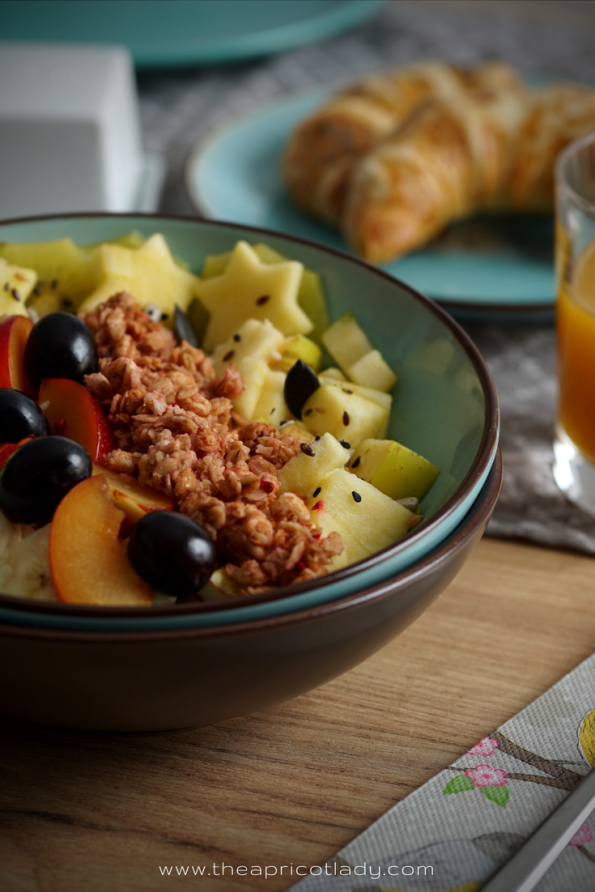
column 445, row 407
column 154, row 681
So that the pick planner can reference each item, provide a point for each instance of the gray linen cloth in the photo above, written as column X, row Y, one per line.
column 180, row 107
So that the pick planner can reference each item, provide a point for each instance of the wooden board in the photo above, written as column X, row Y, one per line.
column 294, row 784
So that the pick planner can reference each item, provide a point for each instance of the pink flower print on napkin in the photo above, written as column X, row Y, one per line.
column 582, row 835
column 486, row 776
column 485, row 747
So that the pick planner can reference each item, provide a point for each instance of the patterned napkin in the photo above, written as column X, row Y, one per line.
column 452, row 833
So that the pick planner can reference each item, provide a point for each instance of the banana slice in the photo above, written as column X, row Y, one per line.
column 24, row 563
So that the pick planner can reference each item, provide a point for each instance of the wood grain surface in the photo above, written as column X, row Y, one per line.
column 295, row 783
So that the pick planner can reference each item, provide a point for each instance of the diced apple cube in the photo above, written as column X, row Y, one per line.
column 371, row 370
column 366, row 519
column 296, row 429
column 303, row 472
column 256, row 338
column 346, row 341
column 253, row 372
column 375, row 396
column 298, row 347
column 393, row 469
column 347, row 416
column 335, row 374
column 271, row 407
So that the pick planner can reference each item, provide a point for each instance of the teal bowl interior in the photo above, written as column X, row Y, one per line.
column 444, row 407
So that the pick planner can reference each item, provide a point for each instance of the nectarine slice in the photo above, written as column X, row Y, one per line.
column 74, row 413
column 88, row 560
column 14, row 331
column 148, row 499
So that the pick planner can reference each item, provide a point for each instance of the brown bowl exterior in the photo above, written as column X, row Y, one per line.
column 140, row 682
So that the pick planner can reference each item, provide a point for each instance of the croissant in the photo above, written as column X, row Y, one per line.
column 324, row 149
column 482, row 142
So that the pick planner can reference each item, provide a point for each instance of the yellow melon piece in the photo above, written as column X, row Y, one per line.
column 304, row 471
column 346, row 341
column 63, row 269
column 366, row 519
column 299, row 347
column 251, row 289
column 16, row 284
column 347, row 416
column 372, row 370
column 255, row 338
column 253, row 371
column 271, row 406
column 149, row 273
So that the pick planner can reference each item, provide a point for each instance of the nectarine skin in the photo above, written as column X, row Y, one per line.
column 88, row 560
column 73, row 412
column 14, row 332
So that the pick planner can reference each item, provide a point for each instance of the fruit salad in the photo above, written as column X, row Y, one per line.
column 167, row 436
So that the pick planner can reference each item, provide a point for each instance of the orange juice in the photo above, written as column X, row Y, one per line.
column 576, row 354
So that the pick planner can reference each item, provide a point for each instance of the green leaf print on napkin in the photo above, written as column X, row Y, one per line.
column 459, row 784
column 499, row 795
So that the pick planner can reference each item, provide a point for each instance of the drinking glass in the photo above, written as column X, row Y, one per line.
column 574, row 445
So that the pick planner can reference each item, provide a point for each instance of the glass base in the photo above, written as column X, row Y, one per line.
column 574, row 474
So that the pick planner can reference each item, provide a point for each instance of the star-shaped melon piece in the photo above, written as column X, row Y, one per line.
column 149, row 273
column 251, row 289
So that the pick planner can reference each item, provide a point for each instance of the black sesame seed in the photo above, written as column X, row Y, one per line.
column 317, row 492
column 346, row 418
column 7, row 286
column 316, row 439
column 272, row 411
column 356, row 497
column 345, row 444
column 164, row 315
column 237, row 338
column 66, row 302
column 306, row 449
column 54, row 283
column 229, row 355
column 356, row 462
column 308, row 412
column 15, row 294
column 344, row 389
column 36, row 290
column 262, row 300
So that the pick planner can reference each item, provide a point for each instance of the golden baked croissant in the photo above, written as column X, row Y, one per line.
column 483, row 143
column 324, row 148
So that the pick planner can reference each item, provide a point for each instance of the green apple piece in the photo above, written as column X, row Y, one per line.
column 396, row 471
column 347, row 416
column 310, row 294
column 375, row 396
column 296, row 429
column 253, row 372
column 271, row 407
column 304, row 471
column 16, row 284
column 371, row 370
column 257, row 338
column 346, row 341
column 63, row 269
column 149, row 273
column 367, row 519
column 299, row 347
column 249, row 289
column 219, row 586
column 332, row 374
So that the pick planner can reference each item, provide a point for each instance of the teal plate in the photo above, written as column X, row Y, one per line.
column 184, row 32
column 444, row 407
column 501, row 264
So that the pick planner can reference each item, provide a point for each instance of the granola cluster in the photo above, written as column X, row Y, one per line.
column 176, row 431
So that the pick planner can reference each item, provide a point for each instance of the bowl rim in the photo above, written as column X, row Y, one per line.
column 461, row 536
column 480, row 465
